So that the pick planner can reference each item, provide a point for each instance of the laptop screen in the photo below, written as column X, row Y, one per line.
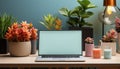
column 60, row 43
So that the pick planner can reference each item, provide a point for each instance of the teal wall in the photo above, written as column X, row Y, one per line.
column 34, row 10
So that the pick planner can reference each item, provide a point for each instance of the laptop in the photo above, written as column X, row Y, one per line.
column 60, row 46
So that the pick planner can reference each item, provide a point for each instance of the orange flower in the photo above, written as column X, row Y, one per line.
column 21, row 32
column 33, row 32
column 58, row 22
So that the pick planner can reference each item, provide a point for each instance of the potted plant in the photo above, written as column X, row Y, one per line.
column 34, row 37
column 5, row 22
column 77, row 16
column 89, row 45
column 19, row 38
column 109, row 40
column 51, row 22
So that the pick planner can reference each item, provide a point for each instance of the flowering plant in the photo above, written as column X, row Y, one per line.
column 117, row 24
column 51, row 22
column 89, row 40
column 21, row 32
column 110, row 36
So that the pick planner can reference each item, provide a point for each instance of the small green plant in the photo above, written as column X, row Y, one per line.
column 51, row 22
column 77, row 16
column 5, row 22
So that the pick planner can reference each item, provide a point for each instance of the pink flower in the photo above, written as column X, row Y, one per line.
column 89, row 40
column 110, row 36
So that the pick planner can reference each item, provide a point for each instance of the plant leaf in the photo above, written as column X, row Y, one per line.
column 64, row 11
column 86, row 14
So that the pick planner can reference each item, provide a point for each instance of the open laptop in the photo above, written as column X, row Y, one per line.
column 60, row 46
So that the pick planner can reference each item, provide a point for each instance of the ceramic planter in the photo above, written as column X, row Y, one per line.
column 89, row 49
column 118, row 48
column 19, row 49
column 33, row 46
column 3, row 46
column 111, row 45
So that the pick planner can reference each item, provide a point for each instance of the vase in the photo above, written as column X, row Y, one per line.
column 88, row 49
column 19, row 49
column 118, row 40
column 3, row 46
column 111, row 45
column 33, row 46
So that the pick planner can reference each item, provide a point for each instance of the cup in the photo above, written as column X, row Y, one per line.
column 107, row 53
column 97, row 52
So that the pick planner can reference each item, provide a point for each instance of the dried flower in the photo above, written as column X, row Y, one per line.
column 89, row 40
column 21, row 32
column 110, row 36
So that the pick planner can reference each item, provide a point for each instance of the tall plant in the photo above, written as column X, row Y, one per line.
column 5, row 22
column 77, row 16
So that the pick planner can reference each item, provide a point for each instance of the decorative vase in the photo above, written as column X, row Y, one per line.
column 111, row 45
column 118, row 48
column 3, row 46
column 33, row 46
column 88, row 49
column 19, row 49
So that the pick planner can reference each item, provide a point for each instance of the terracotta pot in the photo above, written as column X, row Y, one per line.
column 89, row 49
column 111, row 45
column 20, row 49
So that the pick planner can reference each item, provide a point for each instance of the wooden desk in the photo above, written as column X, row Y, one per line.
column 20, row 62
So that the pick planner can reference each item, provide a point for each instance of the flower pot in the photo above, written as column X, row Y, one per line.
column 118, row 48
column 3, row 46
column 111, row 45
column 33, row 46
column 19, row 49
column 88, row 49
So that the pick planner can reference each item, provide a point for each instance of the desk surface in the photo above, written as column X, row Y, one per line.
column 6, row 60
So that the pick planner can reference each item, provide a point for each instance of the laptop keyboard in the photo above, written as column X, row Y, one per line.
column 60, row 56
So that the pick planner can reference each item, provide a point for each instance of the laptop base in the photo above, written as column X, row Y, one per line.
column 40, row 59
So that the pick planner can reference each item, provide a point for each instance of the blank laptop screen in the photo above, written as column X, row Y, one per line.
column 60, row 43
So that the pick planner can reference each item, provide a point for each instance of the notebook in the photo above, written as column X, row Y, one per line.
column 60, row 46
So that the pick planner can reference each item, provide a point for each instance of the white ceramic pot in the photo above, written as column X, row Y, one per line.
column 19, row 49
column 111, row 45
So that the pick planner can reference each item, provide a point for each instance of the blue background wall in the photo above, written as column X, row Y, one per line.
column 34, row 10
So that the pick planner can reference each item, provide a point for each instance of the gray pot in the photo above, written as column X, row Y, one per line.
column 33, row 46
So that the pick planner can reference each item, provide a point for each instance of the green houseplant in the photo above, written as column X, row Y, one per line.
column 77, row 18
column 5, row 22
